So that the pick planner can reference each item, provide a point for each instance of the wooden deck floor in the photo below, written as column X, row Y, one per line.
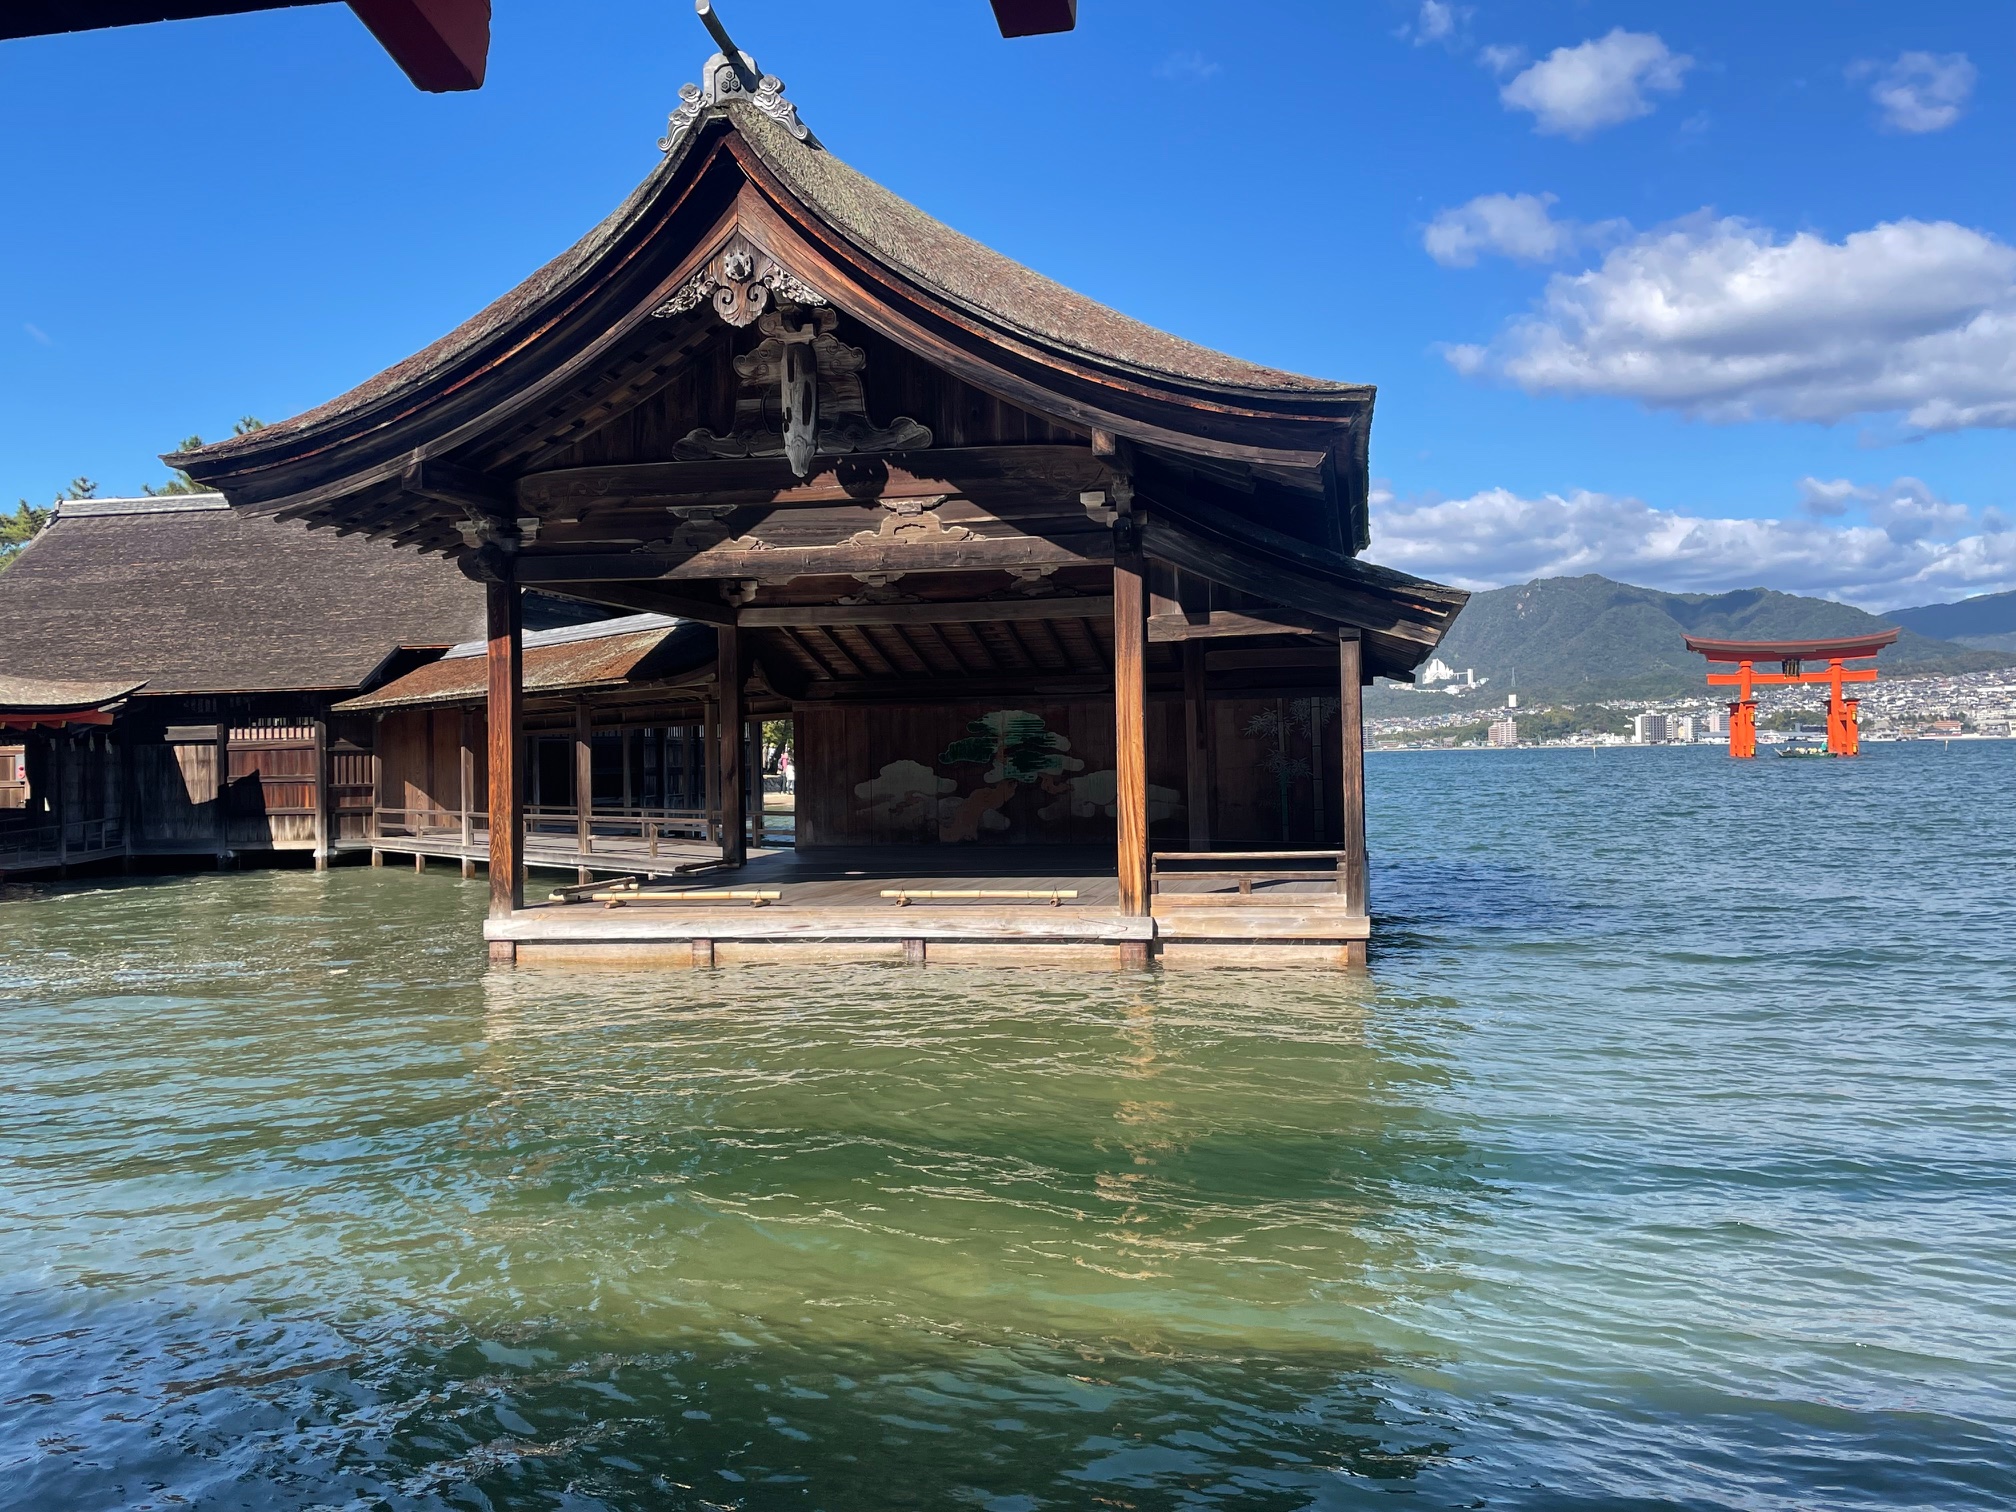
column 830, row 907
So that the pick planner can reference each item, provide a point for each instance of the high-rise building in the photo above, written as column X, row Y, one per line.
column 1648, row 729
column 1718, row 722
column 1685, row 729
column 1504, row 732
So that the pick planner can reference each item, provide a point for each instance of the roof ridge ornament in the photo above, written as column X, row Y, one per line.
column 730, row 75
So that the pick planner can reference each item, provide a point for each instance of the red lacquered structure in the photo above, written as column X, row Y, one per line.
column 1843, row 736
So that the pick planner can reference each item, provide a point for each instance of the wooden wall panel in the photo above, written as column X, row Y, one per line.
column 932, row 774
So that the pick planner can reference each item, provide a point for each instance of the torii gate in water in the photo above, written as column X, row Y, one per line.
column 1843, row 736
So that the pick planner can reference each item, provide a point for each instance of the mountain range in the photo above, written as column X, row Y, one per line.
column 1589, row 637
column 1987, row 623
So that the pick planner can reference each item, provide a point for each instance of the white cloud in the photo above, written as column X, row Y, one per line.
column 36, row 334
column 1912, row 548
column 1921, row 91
column 1723, row 320
column 1518, row 226
column 1438, row 22
column 1502, row 58
column 1189, row 66
column 1575, row 91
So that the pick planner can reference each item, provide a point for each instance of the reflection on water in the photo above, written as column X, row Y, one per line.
column 1616, row 1183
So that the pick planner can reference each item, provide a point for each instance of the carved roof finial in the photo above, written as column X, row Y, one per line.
column 731, row 74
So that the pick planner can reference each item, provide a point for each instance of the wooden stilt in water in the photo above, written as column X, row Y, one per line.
column 419, row 861
column 505, row 613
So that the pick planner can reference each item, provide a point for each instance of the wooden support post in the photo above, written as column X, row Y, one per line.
column 376, row 829
column 1351, row 732
column 710, row 780
column 506, row 627
column 703, row 952
column 626, row 736
column 322, row 825
column 1130, row 726
column 223, row 788
column 466, row 749
column 377, row 856
column 584, row 778
column 61, row 794
column 419, row 861
column 913, row 952
column 728, row 667
column 1197, row 741
column 753, row 764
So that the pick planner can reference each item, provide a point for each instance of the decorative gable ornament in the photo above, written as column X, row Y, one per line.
column 741, row 283
column 720, row 84
column 801, row 397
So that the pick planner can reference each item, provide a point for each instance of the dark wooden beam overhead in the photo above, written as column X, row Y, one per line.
column 1035, row 18
column 442, row 45
column 930, row 614
column 1063, row 471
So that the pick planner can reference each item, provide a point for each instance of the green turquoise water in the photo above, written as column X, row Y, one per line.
column 1662, row 1159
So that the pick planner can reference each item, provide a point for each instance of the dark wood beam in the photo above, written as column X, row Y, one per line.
column 1062, row 471
column 1130, row 728
column 928, row 614
column 458, row 487
column 1351, row 729
column 730, row 671
column 781, row 564
column 1220, row 623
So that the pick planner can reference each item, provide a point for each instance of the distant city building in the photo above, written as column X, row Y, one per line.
column 1718, row 723
column 1511, row 700
column 1648, row 729
column 1436, row 671
column 1504, row 732
column 1686, row 729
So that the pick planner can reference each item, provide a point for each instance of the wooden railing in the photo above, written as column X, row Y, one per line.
column 31, row 847
column 646, row 826
column 1246, row 875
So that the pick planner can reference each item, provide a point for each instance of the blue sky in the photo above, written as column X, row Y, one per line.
column 1697, row 295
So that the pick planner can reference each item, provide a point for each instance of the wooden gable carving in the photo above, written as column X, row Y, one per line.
column 801, row 397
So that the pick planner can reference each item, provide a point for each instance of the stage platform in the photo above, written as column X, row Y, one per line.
column 834, row 905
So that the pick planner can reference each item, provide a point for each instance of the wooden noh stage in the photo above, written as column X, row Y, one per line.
column 1064, row 610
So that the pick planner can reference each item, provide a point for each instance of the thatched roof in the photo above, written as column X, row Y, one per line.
column 189, row 596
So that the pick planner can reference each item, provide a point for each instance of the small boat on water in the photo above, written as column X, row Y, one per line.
column 1797, row 748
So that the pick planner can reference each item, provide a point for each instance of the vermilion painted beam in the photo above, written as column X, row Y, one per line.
column 443, row 45
column 1030, row 18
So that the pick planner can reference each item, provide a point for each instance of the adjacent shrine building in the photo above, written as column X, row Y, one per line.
column 1046, row 592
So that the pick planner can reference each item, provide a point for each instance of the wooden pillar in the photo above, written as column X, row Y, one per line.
column 1351, row 731
column 753, row 764
column 223, row 787
column 1130, row 726
column 60, row 792
column 466, row 788
column 710, row 777
column 377, row 773
column 322, row 825
column 1197, row 741
column 584, row 778
column 626, row 736
column 506, row 626
column 728, row 670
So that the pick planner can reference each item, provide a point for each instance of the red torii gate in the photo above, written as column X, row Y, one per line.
column 1843, row 736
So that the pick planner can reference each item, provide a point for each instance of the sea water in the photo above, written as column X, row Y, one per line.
column 1663, row 1158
